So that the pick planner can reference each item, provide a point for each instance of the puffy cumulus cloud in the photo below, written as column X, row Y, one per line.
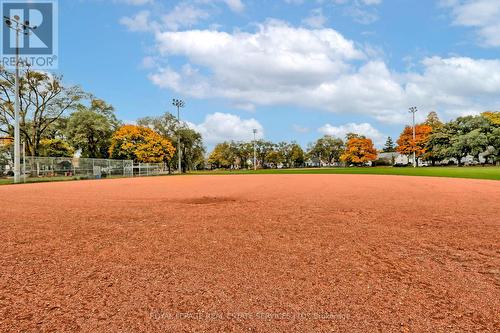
column 219, row 127
column 319, row 68
column 480, row 14
column 365, row 129
column 456, row 85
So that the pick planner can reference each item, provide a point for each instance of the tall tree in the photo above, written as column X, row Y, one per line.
column 90, row 129
column 327, row 149
column 493, row 135
column 359, row 150
column 462, row 137
column 193, row 151
column 43, row 101
column 297, row 155
column 263, row 148
column 389, row 146
column 223, row 156
column 406, row 144
column 140, row 144
column 433, row 121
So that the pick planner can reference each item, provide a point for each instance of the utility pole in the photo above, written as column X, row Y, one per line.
column 254, row 150
column 24, row 28
column 178, row 103
column 414, row 110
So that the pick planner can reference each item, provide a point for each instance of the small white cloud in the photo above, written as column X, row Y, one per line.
column 480, row 14
column 365, row 129
column 140, row 22
column 235, row 5
column 184, row 15
column 316, row 19
column 219, row 127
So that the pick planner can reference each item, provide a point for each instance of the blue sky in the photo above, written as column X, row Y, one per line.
column 293, row 69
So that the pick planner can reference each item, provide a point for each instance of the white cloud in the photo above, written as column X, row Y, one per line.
column 362, row 11
column 235, row 5
column 365, row 129
column 140, row 22
column 481, row 14
column 183, row 15
column 458, row 85
column 219, row 127
column 320, row 69
column 136, row 2
column 316, row 19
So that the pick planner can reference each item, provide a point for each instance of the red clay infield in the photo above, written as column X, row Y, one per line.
column 254, row 253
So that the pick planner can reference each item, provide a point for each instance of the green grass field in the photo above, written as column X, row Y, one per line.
column 455, row 172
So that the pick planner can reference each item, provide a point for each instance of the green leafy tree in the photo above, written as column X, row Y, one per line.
column 90, row 129
column 44, row 99
column 223, row 156
column 192, row 148
column 297, row 155
column 244, row 153
column 389, row 146
column 469, row 135
column 433, row 121
column 327, row 149
column 55, row 148
column 263, row 149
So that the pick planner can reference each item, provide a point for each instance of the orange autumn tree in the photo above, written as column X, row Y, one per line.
column 406, row 144
column 140, row 144
column 359, row 150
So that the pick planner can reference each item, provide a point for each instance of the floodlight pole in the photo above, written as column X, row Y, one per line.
column 413, row 110
column 179, row 104
column 19, row 27
column 254, row 150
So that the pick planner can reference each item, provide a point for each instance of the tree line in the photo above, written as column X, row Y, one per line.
column 58, row 120
column 435, row 142
column 327, row 150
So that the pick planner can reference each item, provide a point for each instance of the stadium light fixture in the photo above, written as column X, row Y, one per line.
column 179, row 103
column 414, row 110
column 24, row 28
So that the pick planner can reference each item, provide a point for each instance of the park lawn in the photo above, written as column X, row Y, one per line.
column 454, row 172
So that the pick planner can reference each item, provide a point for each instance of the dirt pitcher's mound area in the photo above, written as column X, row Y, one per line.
column 256, row 253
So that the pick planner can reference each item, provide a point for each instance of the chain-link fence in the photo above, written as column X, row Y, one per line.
column 33, row 168
column 77, row 167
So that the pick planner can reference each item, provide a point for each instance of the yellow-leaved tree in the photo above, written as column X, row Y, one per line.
column 140, row 144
